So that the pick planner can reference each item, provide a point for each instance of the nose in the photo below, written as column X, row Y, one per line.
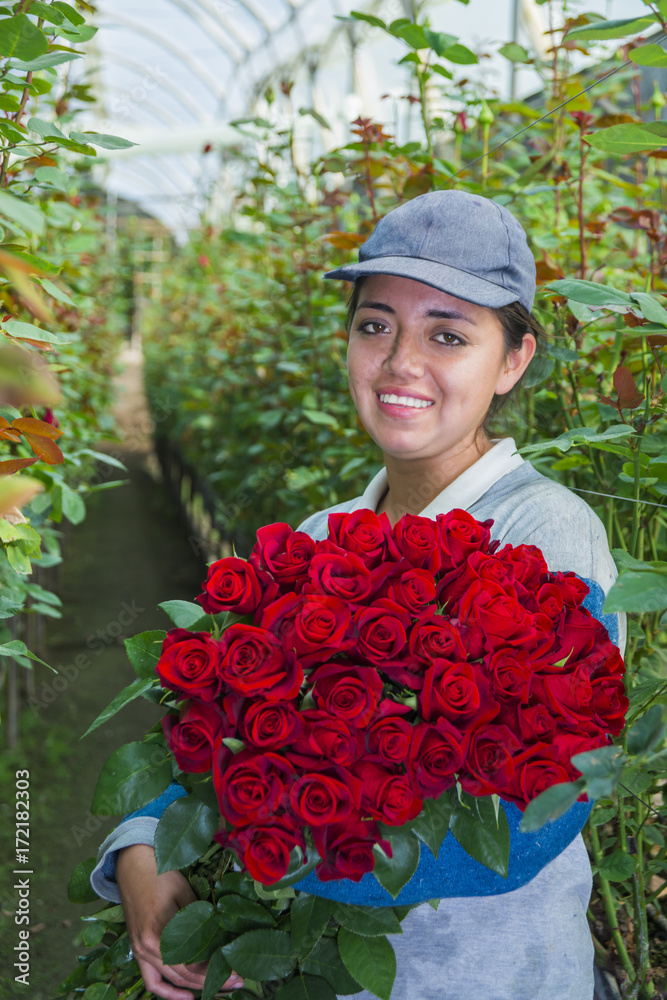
column 405, row 357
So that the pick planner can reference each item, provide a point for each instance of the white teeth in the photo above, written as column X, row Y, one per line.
column 405, row 400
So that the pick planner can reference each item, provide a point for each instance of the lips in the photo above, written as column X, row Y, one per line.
column 403, row 401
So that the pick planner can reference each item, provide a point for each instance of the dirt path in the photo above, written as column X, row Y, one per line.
column 128, row 555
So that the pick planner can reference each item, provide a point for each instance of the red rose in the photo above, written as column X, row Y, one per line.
column 528, row 564
column 250, row 787
column 568, row 695
column 193, row 735
column 363, row 533
column 416, row 538
column 190, row 664
column 511, row 673
column 347, row 849
column 414, row 590
column 489, row 765
column 264, row 850
column 550, row 600
column 318, row 798
column 269, row 725
column 389, row 739
column 458, row 536
column 536, row 770
column 451, row 690
column 284, row 553
column 383, row 631
column 609, row 704
column 536, row 723
column 576, row 634
column 480, row 566
column 343, row 575
column 572, row 588
column 436, row 755
column 348, row 692
column 253, row 662
column 435, row 637
column 320, row 626
column 503, row 621
column 233, row 585
column 385, row 795
column 278, row 617
column 326, row 740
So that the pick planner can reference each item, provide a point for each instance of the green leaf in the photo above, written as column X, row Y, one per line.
column 21, row 39
column 75, row 147
column 648, row 55
column 192, row 935
column 16, row 648
column 184, row 614
column 70, row 13
column 45, row 10
column 239, row 914
column 100, row 991
column 515, row 53
column 17, row 210
column 460, row 54
column 601, row 769
column 371, row 960
column 412, row 34
column 394, row 873
column 619, row 866
column 8, row 607
column 218, row 972
column 124, row 697
column 551, row 804
column 482, row 836
column 144, row 651
column 306, row 988
column 369, row 921
column 637, row 591
column 184, row 833
column 325, row 961
column 591, row 293
column 44, row 129
column 651, row 309
column 57, row 178
column 647, row 732
column 133, row 775
column 439, row 41
column 369, row 18
column 630, row 138
column 600, row 30
column 28, row 331
column 432, row 824
column 100, row 139
column 579, row 436
column 318, row 417
column 310, row 915
column 46, row 61
column 74, row 508
column 79, row 889
column 261, row 955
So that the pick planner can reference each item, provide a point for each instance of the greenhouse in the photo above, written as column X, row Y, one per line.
column 333, row 567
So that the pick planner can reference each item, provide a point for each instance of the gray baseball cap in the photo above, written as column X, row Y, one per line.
column 461, row 243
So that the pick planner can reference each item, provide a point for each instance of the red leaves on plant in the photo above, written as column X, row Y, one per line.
column 547, row 271
column 369, row 131
column 632, row 320
column 657, row 340
column 632, row 218
column 629, row 397
column 14, row 464
column 606, row 121
column 582, row 120
column 41, row 436
column 344, row 241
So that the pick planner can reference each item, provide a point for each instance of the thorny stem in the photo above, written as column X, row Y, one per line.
column 369, row 180
column 582, row 239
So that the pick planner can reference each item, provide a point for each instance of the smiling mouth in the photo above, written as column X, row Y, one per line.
column 407, row 401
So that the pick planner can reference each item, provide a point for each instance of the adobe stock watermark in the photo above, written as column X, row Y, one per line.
column 97, row 642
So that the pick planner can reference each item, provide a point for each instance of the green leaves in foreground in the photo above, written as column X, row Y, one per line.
column 478, row 831
column 192, row 935
column 184, row 833
column 393, row 875
column 133, row 775
column 262, row 954
column 144, row 651
column 371, row 960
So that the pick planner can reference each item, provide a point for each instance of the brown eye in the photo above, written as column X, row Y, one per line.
column 372, row 322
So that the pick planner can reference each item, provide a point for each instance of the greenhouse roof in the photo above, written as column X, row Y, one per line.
column 171, row 75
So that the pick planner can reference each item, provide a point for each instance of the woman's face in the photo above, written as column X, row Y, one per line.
column 423, row 367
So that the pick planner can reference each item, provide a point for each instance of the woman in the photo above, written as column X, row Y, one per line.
column 440, row 331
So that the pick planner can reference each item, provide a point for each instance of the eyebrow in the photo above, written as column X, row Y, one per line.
column 431, row 314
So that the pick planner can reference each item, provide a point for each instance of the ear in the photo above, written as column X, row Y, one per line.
column 516, row 363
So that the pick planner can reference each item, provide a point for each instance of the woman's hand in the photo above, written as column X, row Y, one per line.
column 149, row 902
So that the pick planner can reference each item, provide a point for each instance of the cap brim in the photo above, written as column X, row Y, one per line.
column 442, row 276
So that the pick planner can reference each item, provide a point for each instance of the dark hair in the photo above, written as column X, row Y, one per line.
column 516, row 322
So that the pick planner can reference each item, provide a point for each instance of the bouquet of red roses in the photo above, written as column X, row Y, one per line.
column 354, row 678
